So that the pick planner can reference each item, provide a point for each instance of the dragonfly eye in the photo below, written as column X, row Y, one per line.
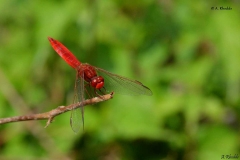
column 97, row 82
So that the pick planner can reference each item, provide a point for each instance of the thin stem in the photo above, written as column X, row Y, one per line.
column 57, row 111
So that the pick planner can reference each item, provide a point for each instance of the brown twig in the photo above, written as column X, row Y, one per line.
column 18, row 104
column 55, row 112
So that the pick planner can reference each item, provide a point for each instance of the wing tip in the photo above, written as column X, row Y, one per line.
column 149, row 93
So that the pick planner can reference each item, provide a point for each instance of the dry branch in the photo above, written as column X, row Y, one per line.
column 55, row 112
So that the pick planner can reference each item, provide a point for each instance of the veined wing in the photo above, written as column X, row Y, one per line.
column 122, row 85
column 77, row 115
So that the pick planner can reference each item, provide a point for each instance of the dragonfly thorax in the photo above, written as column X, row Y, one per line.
column 97, row 82
column 90, row 75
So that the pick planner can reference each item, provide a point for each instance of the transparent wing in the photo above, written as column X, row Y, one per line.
column 122, row 85
column 77, row 115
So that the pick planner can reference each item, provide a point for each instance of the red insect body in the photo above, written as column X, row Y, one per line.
column 90, row 74
column 65, row 53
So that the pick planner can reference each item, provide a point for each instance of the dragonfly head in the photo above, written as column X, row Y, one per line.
column 97, row 82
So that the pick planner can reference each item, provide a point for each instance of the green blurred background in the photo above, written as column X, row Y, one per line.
column 187, row 53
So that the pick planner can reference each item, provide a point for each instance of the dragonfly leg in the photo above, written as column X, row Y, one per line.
column 99, row 95
column 103, row 92
column 86, row 90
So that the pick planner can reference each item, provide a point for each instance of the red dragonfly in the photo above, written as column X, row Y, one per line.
column 96, row 78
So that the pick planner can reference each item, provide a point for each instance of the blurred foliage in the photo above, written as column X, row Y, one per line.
column 185, row 52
